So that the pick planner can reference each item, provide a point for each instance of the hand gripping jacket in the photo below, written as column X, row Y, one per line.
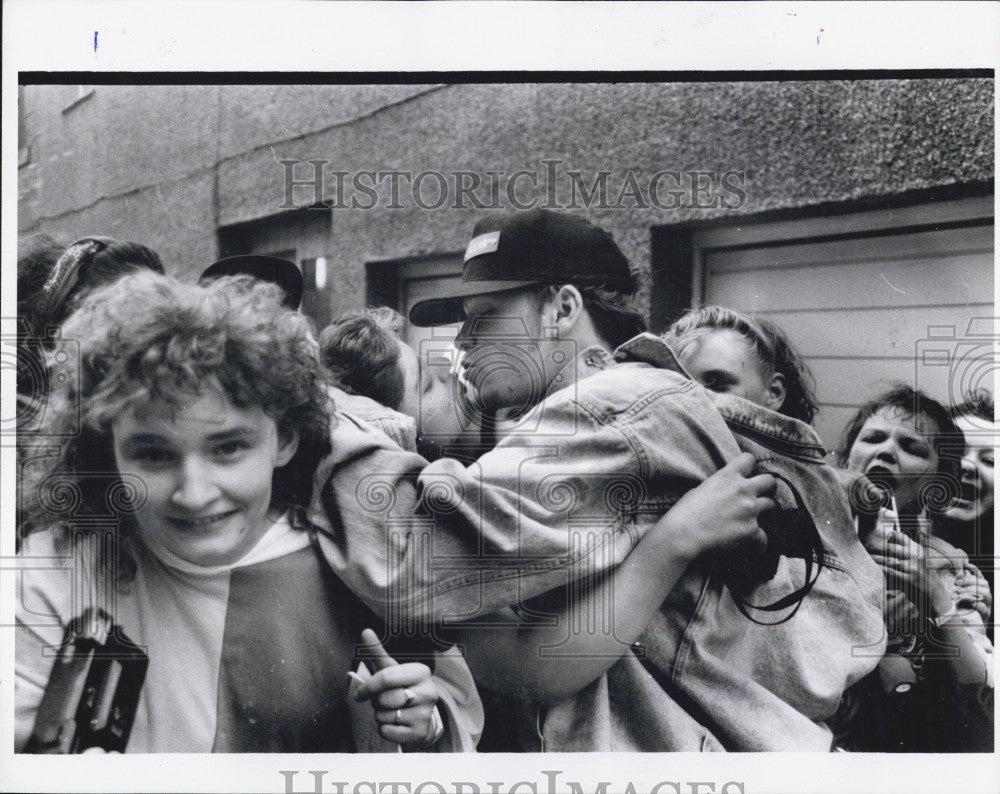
column 598, row 463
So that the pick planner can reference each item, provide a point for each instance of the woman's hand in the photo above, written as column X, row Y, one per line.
column 972, row 590
column 404, row 697
column 908, row 567
column 722, row 510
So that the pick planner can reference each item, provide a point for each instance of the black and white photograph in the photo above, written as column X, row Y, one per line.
column 395, row 419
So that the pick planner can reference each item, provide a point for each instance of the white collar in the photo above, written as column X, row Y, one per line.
column 279, row 540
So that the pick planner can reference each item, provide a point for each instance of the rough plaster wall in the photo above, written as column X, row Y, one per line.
column 121, row 139
column 258, row 115
column 169, row 218
column 803, row 144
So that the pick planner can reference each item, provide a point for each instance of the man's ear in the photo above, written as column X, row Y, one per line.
column 568, row 306
column 774, row 397
column 288, row 445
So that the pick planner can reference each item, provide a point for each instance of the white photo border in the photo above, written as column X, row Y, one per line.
column 334, row 37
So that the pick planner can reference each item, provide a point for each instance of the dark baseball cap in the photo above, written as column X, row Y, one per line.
column 266, row 268
column 534, row 247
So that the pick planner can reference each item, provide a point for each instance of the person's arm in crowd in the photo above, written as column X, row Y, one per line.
column 539, row 511
column 457, row 541
column 721, row 511
column 47, row 596
column 972, row 590
column 910, row 568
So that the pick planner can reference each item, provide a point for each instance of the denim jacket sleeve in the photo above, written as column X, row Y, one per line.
column 601, row 463
column 363, row 497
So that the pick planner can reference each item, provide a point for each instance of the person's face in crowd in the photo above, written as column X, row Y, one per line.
column 976, row 500
column 507, row 361
column 415, row 383
column 893, row 449
column 723, row 361
column 207, row 469
column 427, row 393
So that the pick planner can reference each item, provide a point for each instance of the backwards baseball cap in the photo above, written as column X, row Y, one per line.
column 534, row 247
column 266, row 268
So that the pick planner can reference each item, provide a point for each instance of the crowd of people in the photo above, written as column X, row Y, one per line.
column 570, row 535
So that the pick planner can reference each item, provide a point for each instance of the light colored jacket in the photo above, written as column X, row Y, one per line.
column 398, row 426
column 566, row 497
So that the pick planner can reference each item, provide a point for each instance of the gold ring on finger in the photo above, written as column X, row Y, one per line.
column 396, row 720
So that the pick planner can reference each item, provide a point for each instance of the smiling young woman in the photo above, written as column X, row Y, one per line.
column 182, row 502
column 207, row 467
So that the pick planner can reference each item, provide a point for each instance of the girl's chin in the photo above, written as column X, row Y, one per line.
column 964, row 511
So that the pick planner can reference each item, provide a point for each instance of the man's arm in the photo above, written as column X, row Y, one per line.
column 614, row 613
column 571, row 499
column 538, row 511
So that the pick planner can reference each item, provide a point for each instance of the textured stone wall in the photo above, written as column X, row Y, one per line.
column 168, row 165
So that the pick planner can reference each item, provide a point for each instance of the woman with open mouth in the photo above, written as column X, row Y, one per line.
column 920, row 699
column 968, row 521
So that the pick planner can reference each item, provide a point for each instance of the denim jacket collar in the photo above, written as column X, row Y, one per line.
column 644, row 348
column 651, row 350
column 590, row 361
column 769, row 428
column 776, row 431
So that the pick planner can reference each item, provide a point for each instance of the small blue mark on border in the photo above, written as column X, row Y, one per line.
column 95, row 41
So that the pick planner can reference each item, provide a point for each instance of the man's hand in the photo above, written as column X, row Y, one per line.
column 721, row 511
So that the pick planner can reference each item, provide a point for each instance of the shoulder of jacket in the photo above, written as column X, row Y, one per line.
column 628, row 384
column 51, row 542
column 352, row 436
column 646, row 375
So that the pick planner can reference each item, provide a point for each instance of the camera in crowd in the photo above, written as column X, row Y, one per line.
column 93, row 690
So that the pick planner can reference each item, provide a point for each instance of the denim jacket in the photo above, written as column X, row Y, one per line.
column 749, row 686
column 783, row 672
column 590, row 469
column 566, row 495
column 398, row 426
